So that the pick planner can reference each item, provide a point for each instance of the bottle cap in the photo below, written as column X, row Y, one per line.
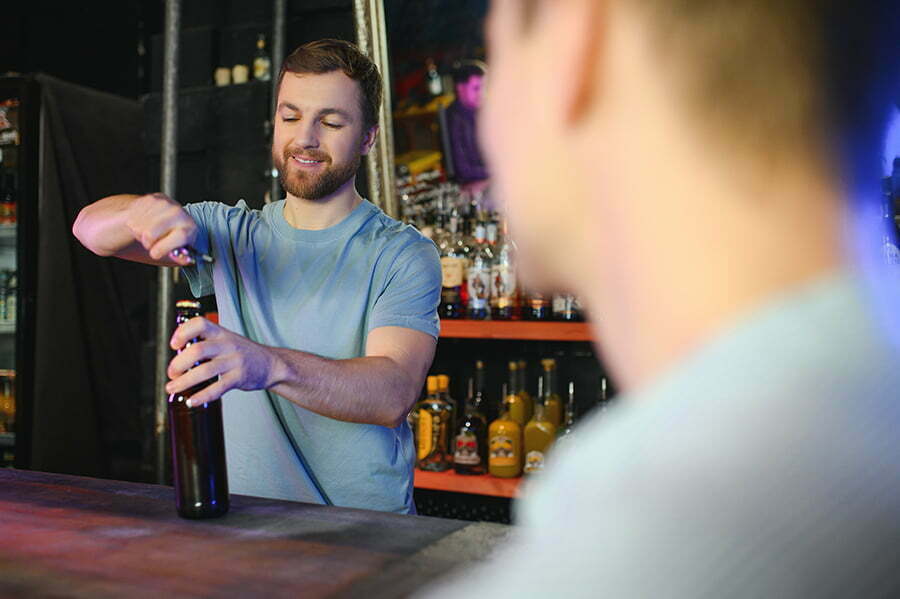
column 513, row 365
column 432, row 384
column 548, row 363
column 187, row 305
column 479, row 364
column 443, row 382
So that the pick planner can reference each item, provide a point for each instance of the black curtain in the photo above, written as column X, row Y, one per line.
column 92, row 314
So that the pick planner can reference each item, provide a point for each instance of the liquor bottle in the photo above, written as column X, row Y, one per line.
column 504, row 291
column 479, row 279
column 603, row 401
column 505, row 443
column 550, row 398
column 514, row 403
column 566, row 308
column 262, row 64
column 198, row 444
column 11, row 295
column 433, row 430
column 453, row 268
column 569, row 425
column 444, row 393
column 539, row 435
column 433, row 78
column 471, row 439
column 527, row 399
column 538, row 307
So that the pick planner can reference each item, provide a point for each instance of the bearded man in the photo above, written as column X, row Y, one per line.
column 327, row 307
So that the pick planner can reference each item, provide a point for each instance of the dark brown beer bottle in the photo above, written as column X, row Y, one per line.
column 198, row 445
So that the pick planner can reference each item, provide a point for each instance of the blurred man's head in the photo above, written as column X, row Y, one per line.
column 326, row 117
column 654, row 146
column 468, row 81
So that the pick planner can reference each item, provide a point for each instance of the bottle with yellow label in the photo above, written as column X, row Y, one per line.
column 505, row 444
column 539, row 435
column 523, row 390
column 512, row 400
column 552, row 400
column 432, row 418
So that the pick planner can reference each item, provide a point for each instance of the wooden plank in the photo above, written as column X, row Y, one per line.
column 484, row 484
column 524, row 330
column 73, row 536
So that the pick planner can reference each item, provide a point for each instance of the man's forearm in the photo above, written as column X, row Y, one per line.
column 370, row 390
column 101, row 228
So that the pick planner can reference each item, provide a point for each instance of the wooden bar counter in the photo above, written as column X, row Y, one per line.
column 67, row 536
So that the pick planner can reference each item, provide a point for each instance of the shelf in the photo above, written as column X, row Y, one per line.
column 506, row 329
column 7, row 328
column 483, row 484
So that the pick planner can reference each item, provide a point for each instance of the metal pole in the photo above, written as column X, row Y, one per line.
column 169, row 165
column 371, row 37
column 279, row 12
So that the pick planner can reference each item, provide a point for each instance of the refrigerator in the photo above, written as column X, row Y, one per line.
column 74, row 327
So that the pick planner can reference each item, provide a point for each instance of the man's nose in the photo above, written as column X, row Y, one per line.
column 306, row 135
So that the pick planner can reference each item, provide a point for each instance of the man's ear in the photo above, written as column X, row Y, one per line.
column 580, row 27
column 369, row 140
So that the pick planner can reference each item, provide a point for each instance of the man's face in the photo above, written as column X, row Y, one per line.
column 469, row 92
column 320, row 136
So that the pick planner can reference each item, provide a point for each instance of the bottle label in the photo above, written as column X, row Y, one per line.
column 466, row 453
column 452, row 271
column 503, row 285
column 425, row 439
column 262, row 68
column 479, row 288
column 502, row 451
column 534, row 461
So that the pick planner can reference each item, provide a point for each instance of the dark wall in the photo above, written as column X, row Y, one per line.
column 92, row 43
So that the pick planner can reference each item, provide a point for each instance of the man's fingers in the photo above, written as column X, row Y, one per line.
column 194, row 376
column 205, row 350
column 174, row 239
column 193, row 328
column 211, row 393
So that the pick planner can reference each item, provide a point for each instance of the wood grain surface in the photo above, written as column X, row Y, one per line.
column 66, row 536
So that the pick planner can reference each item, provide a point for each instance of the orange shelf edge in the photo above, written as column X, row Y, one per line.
column 483, row 484
column 524, row 330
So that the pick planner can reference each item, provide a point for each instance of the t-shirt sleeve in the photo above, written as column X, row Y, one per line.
column 200, row 275
column 413, row 291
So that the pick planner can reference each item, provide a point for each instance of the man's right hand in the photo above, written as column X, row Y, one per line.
column 140, row 228
column 161, row 225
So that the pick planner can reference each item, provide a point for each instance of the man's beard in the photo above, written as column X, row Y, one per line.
column 314, row 186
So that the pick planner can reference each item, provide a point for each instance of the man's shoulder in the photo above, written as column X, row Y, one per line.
column 391, row 233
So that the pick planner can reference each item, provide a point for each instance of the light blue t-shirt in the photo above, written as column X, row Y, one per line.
column 322, row 292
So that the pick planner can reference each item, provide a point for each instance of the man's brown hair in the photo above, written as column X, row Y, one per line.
column 329, row 55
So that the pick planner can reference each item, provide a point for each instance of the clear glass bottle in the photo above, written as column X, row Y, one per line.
column 504, row 290
column 479, row 279
column 198, row 444
column 432, row 419
column 569, row 425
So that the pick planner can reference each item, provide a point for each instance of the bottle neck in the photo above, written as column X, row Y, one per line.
column 513, row 382
column 549, row 383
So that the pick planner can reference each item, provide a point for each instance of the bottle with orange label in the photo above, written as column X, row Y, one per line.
column 505, row 443
column 432, row 418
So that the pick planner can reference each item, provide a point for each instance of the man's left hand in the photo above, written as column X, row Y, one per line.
column 237, row 362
